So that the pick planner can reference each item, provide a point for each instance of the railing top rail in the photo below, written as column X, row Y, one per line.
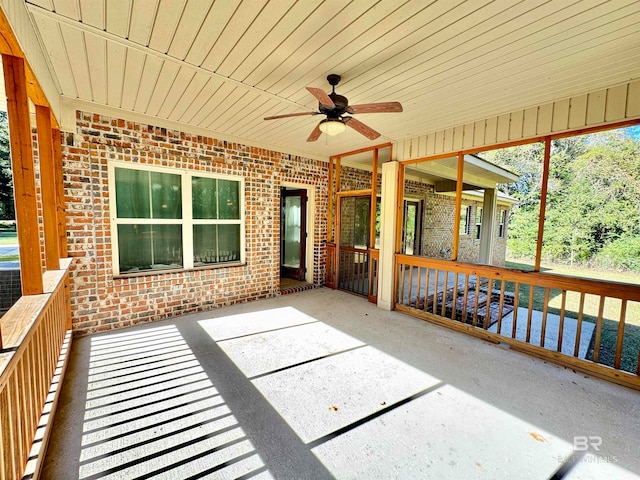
column 354, row 249
column 624, row 291
column 18, row 322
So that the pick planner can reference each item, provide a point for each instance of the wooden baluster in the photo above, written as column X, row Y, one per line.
column 532, row 291
column 401, row 289
column 410, row 285
column 474, row 320
column 563, row 307
column 419, row 286
column 545, row 308
column 501, row 305
column 620, row 339
column 487, row 316
column 576, row 346
column 426, row 290
column 516, row 304
column 596, row 343
column 454, row 299
column 445, row 287
column 465, row 297
column 434, row 307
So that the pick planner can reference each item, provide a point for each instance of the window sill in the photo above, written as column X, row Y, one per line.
column 146, row 273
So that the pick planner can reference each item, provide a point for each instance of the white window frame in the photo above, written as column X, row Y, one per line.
column 478, row 225
column 467, row 219
column 187, row 221
column 502, row 223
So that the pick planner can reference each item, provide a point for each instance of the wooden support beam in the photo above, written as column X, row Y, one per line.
column 330, row 204
column 61, row 208
column 456, row 214
column 24, row 184
column 399, row 209
column 48, row 187
column 543, row 202
column 374, row 199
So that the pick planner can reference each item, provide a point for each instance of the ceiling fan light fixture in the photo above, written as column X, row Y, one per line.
column 332, row 126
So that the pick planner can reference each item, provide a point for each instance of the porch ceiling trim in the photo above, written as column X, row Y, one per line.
column 608, row 106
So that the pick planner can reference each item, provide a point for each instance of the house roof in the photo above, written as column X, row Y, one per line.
column 219, row 67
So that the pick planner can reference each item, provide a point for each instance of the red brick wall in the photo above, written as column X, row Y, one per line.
column 101, row 302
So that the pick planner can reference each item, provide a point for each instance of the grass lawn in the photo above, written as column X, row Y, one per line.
column 611, row 314
column 9, row 258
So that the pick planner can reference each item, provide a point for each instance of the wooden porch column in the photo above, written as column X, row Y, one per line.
column 388, row 220
column 487, row 230
column 61, row 207
column 24, row 184
column 543, row 202
column 456, row 214
column 47, row 184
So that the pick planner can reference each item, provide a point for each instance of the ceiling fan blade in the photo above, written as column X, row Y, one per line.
column 285, row 115
column 360, row 127
column 322, row 96
column 315, row 134
column 383, row 107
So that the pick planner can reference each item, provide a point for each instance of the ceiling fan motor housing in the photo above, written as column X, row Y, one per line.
column 341, row 103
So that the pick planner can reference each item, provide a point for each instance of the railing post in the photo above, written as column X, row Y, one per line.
column 24, row 184
column 389, row 215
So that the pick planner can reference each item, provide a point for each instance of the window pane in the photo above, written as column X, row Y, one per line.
column 229, row 199
column 216, row 244
column 166, row 194
column 363, row 211
column 464, row 220
column 167, row 246
column 228, row 243
column 203, row 195
column 134, row 247
column 292, row 231
column 132, row 193
column 205, row 245
column 146, row 247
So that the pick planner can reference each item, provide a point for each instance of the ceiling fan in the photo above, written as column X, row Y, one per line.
column 335, row 107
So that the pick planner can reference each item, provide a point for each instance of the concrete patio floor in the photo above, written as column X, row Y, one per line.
column 321, row 384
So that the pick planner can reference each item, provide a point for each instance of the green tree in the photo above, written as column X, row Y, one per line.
column 7, row 209
column 593, row 199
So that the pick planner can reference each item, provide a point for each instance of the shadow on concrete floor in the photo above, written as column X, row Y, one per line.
column 321, row 384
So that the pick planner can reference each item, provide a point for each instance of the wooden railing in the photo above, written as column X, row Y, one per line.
column 353, row 270
column 356, row 270
column 33, row 333
column 588, row 325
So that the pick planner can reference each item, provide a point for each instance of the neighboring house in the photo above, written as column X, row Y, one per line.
column 429, row 208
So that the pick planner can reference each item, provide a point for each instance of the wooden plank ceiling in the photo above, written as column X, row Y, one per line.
column 224, row 65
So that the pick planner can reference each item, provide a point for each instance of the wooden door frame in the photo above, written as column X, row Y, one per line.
column 310, row 260
column 300, row 272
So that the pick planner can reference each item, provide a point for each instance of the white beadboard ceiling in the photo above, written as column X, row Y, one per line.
column 224, row 65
